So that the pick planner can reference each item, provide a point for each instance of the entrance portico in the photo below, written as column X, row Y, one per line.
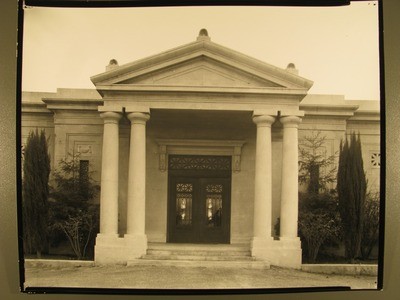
column 113, row 246
column 258, row 134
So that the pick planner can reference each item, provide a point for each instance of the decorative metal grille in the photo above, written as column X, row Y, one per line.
column 214, row 188
column 84, row 172
column 376, row 159
column 188, row 162
column 184, row 187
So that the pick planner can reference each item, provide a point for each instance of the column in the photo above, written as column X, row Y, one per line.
column 109, row 175
column 136, row 202
column 263, row 181
column 290, row 182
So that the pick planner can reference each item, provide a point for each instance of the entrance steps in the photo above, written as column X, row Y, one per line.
column 199, row 255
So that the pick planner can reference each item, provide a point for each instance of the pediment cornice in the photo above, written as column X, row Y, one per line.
column 201, row 89
column 213, row 53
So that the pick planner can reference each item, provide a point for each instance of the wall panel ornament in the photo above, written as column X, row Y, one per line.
column 84, row 149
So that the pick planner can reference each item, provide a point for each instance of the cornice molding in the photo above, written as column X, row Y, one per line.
column 201, row 89
column 35, row 108
column 72, row 103
column 342, row 111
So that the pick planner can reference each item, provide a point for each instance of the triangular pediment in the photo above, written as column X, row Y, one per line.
column 201, row 64
column 200, row 71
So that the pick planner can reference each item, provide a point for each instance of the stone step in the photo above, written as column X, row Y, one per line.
column 221, row 247
column 200, row 263
column 192, row 257
column 198, row 249
column 172, row 252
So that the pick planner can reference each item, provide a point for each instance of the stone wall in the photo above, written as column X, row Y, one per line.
column 80, row 131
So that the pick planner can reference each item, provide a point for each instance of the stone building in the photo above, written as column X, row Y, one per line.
column 198, row 145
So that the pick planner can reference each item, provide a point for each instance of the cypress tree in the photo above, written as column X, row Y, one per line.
column 35, row 190
column 351, row 188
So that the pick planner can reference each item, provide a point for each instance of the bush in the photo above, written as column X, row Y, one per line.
column 319, row 222
column 370, row 234
column 72, row 211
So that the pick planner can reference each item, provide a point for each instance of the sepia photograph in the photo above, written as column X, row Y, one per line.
column 201, row 148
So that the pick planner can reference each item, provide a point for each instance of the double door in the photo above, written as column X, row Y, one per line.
column 199, row 209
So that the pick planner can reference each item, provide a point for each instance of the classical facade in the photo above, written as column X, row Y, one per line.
column 198, row 145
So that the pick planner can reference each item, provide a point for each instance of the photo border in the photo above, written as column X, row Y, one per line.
column 149, row 3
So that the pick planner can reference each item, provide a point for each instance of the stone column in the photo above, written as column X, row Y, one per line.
column 136, row 237
column 109, row 175
column 290, row 182
column 263, row 185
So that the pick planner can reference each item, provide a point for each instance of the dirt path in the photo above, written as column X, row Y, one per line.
column 185, row 278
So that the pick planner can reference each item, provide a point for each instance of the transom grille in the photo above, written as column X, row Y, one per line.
column 194, row 162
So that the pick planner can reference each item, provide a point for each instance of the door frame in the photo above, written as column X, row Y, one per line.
column 194, row 175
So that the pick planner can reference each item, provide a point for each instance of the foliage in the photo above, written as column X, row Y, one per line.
column 312, row 159
column 72, row 210
column 370, row 233
column 35, row 190
column 351, row 188
column 319, row 221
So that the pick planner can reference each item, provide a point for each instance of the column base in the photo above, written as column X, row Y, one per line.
column 136, row 245
column 285, row 252
column 260, row 247
column 109, row 249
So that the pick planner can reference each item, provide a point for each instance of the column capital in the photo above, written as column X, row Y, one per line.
column 290, row 121
column 263, row 120
column 138, row 117
column 110, row 108
column 111, row 117
column 137, row 108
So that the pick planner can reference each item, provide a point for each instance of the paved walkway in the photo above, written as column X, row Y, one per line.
column 186, row 278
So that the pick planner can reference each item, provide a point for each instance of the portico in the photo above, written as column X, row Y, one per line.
column 231, row 106
column 112, row 246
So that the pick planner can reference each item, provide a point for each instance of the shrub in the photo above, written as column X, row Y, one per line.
column 370, row 234
column 72, row 211
column 319, row 222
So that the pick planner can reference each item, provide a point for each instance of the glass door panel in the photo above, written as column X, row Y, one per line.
column 184, row 199
column 213, row 201
column 199, row 210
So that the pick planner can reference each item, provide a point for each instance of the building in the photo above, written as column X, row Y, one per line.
column 198, row 144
